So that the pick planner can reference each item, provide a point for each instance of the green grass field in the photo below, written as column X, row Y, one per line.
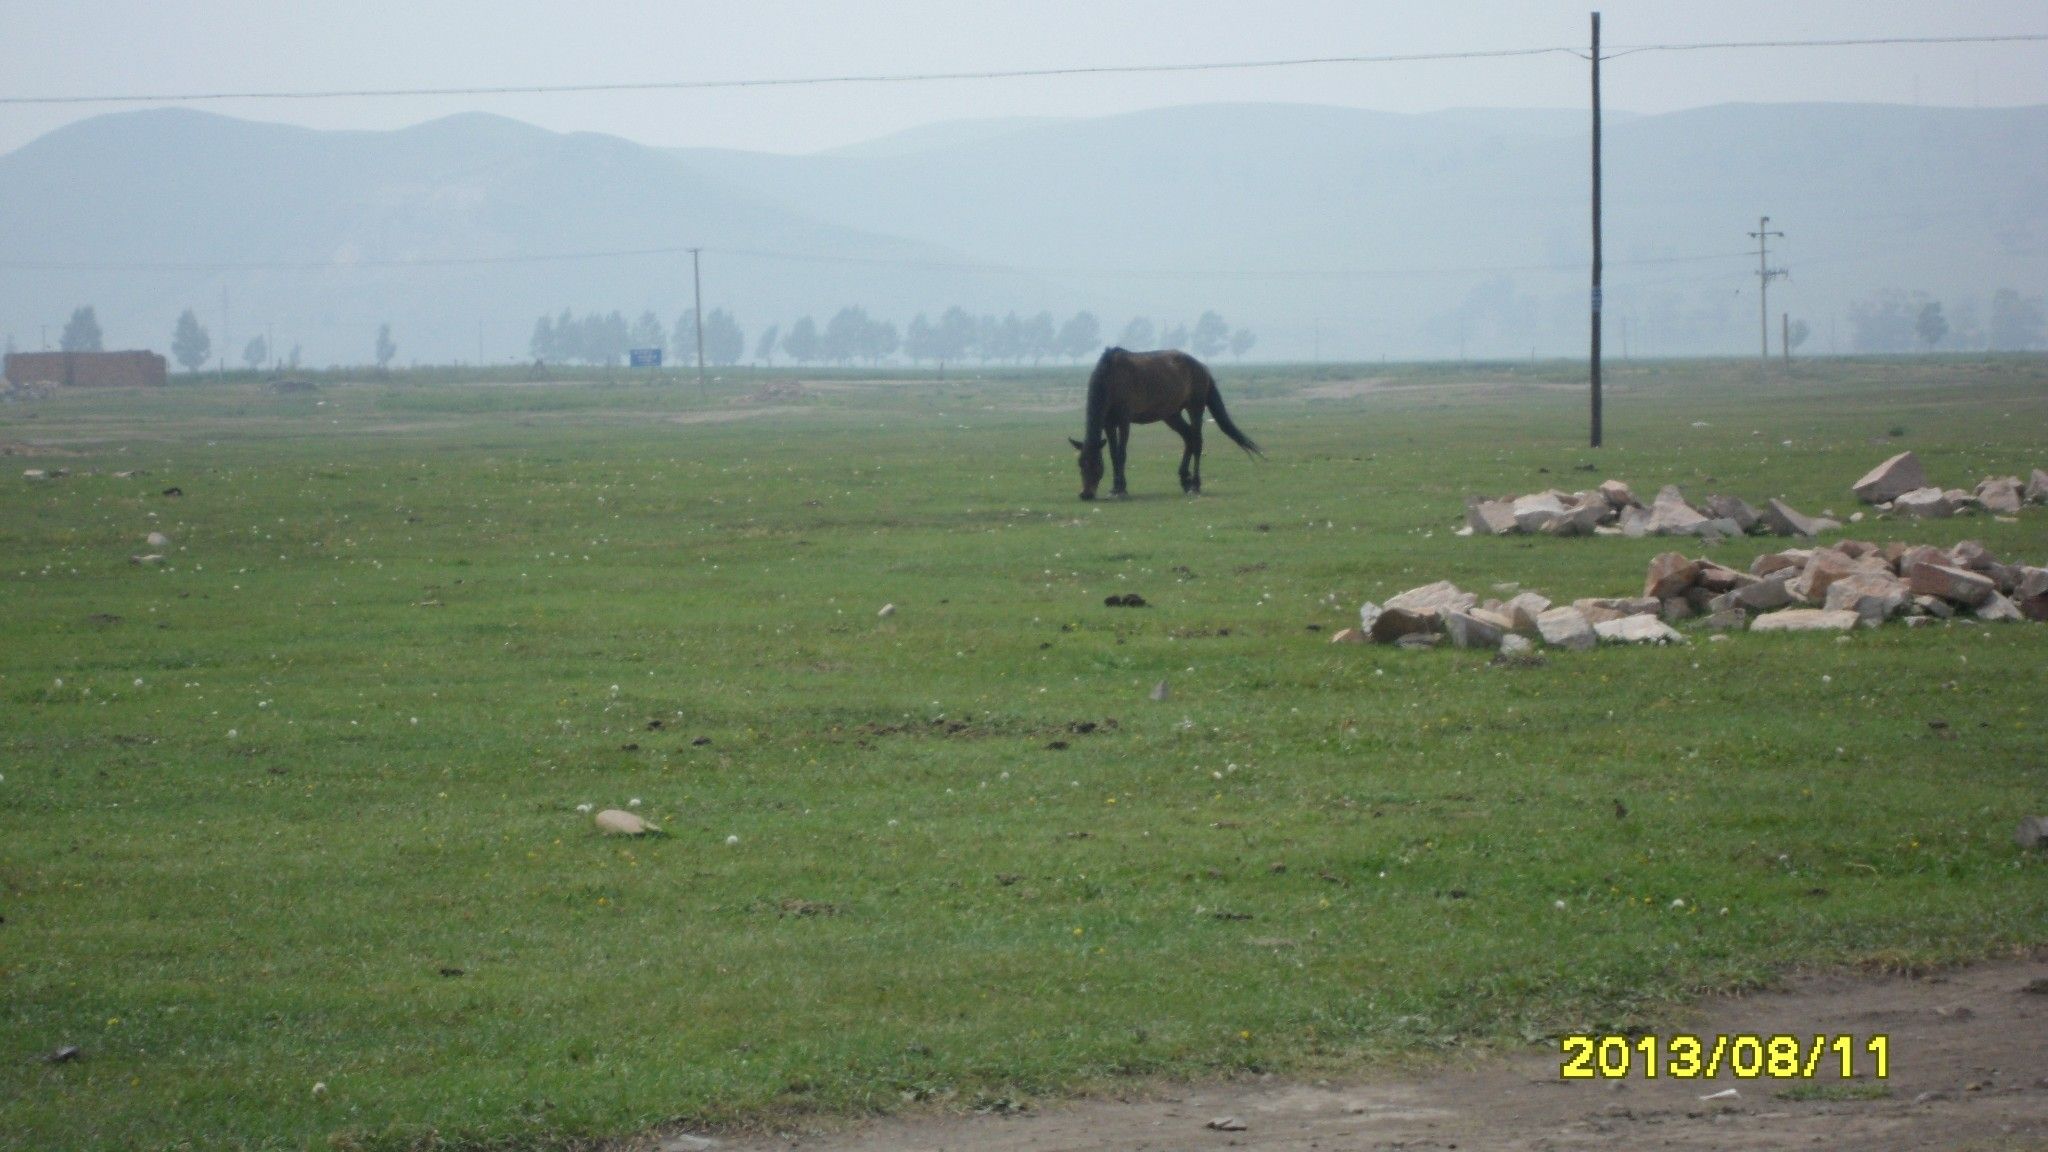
column 300, row 806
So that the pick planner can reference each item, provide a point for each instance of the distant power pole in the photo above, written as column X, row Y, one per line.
column 1596, row 230
column 1785, row 337
column 1764, row 275
column 697, row 290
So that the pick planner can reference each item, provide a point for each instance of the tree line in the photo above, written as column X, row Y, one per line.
column 851, row 336
column 1897, row 321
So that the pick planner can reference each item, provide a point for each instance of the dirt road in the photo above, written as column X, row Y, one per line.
column 1968, row 1069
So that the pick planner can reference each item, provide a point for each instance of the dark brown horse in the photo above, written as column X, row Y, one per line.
column 1141, row 387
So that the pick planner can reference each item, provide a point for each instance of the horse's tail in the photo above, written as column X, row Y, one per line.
column 1224, row 421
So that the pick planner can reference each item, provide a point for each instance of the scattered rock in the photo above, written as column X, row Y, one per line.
column 1874, row 597
column 147, row 561
column 618, row 822
column 1781, row 519
column 1433, row 599
column 1641, row 628
column 1226, row 1124
column 1160, row 691
column 1999, row 493
column 1525, row 607
column 1670, row 574
column 1348, row 636
column 1926, row 503
column 1805, row 620
column 1890, row 480
column 1997, row 608
column 2032, row 833
column 64, row 1055
column 1418, row 640
column 1393, row 624
column 2037, row 487
column 1127, row 600
column 157, row 540
column 1468, row 630
column 1956, row 585
column 1493, row 517
column 1566, row 628
column 886, row 611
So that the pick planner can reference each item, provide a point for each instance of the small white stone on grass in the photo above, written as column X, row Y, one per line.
column 616, row 822
column 731, row 840
column 887, row 610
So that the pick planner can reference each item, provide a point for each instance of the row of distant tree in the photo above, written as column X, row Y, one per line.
column 1898, row 321
column 192, row 344
column 852, row 336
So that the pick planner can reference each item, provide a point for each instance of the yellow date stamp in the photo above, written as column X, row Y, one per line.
column 1744, row 1055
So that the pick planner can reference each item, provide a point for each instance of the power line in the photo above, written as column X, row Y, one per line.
column 818, row 258
column 775, row 82
column 990, row 74
column 1842, row 42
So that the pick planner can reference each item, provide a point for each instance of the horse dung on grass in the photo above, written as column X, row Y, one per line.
column 1141, row 388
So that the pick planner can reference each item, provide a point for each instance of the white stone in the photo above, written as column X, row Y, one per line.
column 1641, row 628
column 1805, row 620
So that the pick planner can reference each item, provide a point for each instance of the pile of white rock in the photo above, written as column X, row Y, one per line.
column 1442, row 612
column 1613, row 510
column 1900, row 485
column 1837, row 588
column 1851, row 583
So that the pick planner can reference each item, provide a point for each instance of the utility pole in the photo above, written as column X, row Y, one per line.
column 1764, row 275
column 1596, row 230
column 697, row 290
column 1785, row 338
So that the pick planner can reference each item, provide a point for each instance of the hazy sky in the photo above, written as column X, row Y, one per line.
column 149, row 46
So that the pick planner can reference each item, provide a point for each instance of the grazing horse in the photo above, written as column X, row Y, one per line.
column 1141, row 387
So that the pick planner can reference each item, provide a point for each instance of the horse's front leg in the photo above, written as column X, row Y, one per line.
column 1119, row 439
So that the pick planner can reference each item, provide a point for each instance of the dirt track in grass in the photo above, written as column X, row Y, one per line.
column 1968, row 1054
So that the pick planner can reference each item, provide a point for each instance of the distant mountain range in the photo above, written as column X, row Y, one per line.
column 1327, row 231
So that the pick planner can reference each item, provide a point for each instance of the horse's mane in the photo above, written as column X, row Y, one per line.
column 1098, row 393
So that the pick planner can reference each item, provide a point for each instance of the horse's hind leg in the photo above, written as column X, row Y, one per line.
column 1195, row 445
column 1119, row 440
column 1188, row 483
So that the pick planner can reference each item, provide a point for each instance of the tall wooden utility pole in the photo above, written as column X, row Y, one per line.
column 1596, row 229
column 1764, row 275
column 697, row 292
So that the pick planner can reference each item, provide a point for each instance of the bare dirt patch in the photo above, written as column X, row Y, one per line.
column 1968, row 1069
column 724, row 415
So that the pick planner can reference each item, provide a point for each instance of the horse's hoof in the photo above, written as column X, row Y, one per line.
column 1087, row 495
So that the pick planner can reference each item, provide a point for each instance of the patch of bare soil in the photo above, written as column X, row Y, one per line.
column 1344, row 389
column 723, row 415
column 1968, row 1070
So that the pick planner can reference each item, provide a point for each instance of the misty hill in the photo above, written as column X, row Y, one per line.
column 1363, row 233
column 1274, row 214
column 436, row 228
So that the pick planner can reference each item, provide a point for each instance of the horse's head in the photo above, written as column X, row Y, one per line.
column 1091, row 466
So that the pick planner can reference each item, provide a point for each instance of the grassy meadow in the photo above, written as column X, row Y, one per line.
column 300, row 806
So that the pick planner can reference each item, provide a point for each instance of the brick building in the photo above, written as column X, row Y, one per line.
column 88, row 369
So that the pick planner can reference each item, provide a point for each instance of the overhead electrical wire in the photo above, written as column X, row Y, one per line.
column 129, row 266
column 203, row 96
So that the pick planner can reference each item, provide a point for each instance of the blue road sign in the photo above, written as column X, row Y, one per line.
column 646, row 357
